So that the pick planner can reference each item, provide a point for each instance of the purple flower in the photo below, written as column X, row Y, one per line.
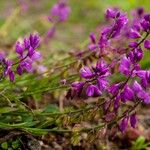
column 36, row 56
column 147, row 17
column 41, row 68
column 11, row 76
column 93, row 38
column 116, row 58
column 133, row 120
column 147, row 44
column 141, row 94
column 51, row 32
column 93, row 90
column 103, row 41
column 2, row 55
column 123, row 124
column 77, row 85
column 29, row 45
column 114, row 89
column 102, row 83
column 133, row 44
column 61, row 11
column 120, row 19
column 119, row 24
column 26, row 43
column 30, row 52
column 19, row 70
column 127, row 94
column 86, row 73
column 117, row 103
column 76, row 90
column 140, row 11
column 136, row 27
column 145, row 96
column 102, row 68
column 144, row 83
column 136, row 55
column 142, row 74
column 24, row 65
column 8, row 69
column 58, row 13
column 20, row 49
column 99, row 74
column 92, row 47
column 110, row 13
column 136, row 87
column 27, row 53
column 125, row 66
column 34, row 40
column 93, row 44
column 145, row 77
column 145, row 23
column 133, row 34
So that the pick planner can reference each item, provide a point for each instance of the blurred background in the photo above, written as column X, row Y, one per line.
column 21, row 17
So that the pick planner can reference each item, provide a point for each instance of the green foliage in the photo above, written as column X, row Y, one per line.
column 15, row 144
column 140, row 144
column 11, row 145
column 4, row 145
column 51, row 108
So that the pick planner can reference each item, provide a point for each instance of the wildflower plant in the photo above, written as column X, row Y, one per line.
column 108, row 71
column 115, row 59
column 27, row 54
column 59, row 13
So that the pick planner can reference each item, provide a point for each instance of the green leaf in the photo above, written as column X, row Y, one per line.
column 37, row 131
column 139, row 144
column 19, row 125
column 4, row 145
column 15, row 144
column 37, row 96
column 51, row 108
column 140, row 140
column 7, row 109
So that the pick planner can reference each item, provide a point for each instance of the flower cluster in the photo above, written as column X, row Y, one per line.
column 97, row 80
column 112, row 31
column 27, row 54
column 58, row 13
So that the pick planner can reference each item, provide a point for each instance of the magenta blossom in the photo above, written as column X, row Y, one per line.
column 133, row 120
column 93, row 90
column 60, row 10
column 114, row 73
column 27, row 53
column 8, row 69
column 123, row 124
column 147, row 44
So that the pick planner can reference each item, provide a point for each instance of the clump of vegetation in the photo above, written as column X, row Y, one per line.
column 98, row 89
